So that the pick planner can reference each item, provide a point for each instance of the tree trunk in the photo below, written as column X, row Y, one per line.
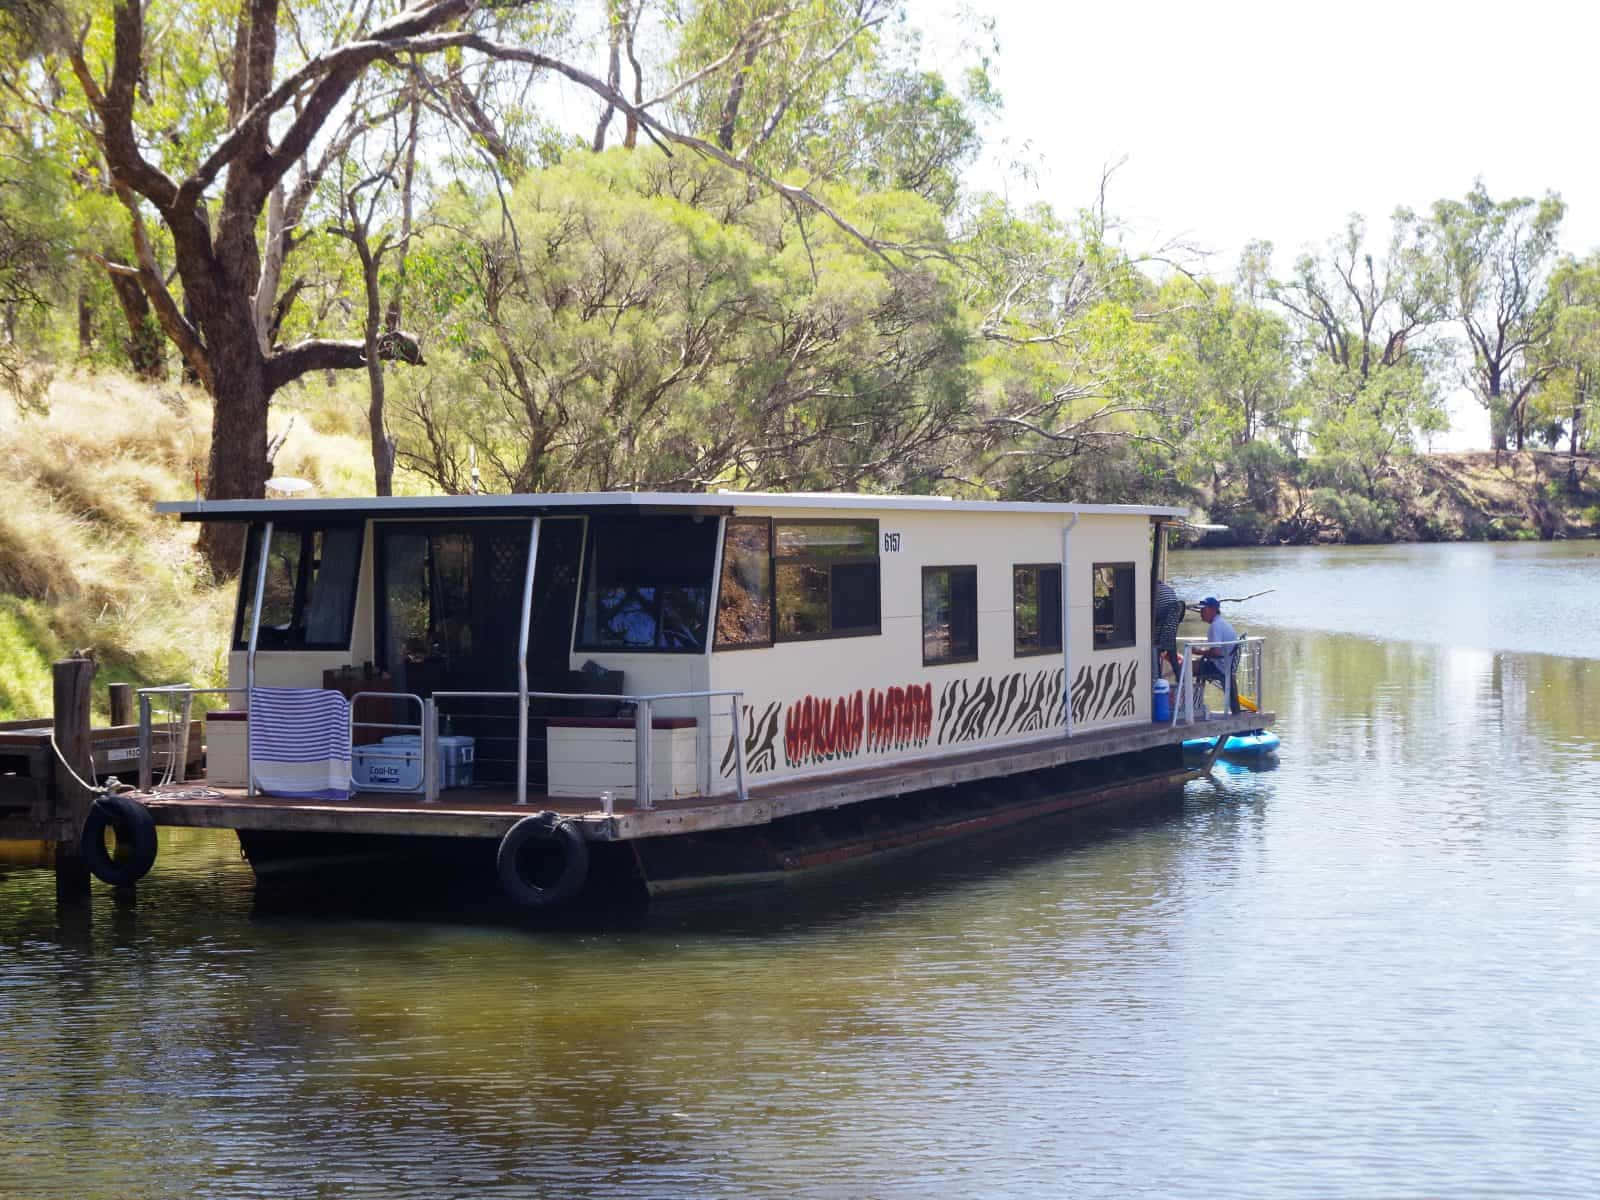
column 85, row 324
column 382, row 443
column 730, row 105
column 238, row 462
column 145, row 345
column 1579, row 395
column 1499, row 427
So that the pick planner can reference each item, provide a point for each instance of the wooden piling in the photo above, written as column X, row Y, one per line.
column 72, row 679
column 121, row 695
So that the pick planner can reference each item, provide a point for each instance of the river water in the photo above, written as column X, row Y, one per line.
column 1373, row 970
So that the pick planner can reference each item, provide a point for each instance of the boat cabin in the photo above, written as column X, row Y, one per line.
column 764, row 637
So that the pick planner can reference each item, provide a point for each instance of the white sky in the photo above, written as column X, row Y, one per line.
column 1274, row 120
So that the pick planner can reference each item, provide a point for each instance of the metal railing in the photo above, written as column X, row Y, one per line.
column 146, row 738
column 427, row 747
column 1239, row 666
column 643, row 742
column 428, row 731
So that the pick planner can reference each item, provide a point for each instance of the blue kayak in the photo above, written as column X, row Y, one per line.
column 1256, row 742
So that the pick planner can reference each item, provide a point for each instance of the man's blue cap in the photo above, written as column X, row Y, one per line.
column 1211, row 602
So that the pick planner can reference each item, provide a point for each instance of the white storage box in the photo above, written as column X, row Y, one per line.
column 225, row 748
column 591, row 755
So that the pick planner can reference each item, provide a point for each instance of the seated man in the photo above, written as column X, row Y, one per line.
column 1218, row 663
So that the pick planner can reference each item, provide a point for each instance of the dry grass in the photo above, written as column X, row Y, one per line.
column 85, row 562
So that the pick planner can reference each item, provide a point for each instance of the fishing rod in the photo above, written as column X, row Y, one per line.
column 1234, row 599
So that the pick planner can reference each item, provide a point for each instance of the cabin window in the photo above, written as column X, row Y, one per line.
column 309, row 598
column 647, row 584
column 1036, row 609
column 949, row 615
column 827, row 580
column 1113, row 605
column 744, row 596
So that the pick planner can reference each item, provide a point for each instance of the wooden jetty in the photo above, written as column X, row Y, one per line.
column 42, row 803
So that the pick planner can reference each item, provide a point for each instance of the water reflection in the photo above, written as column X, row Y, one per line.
column 1368, row 971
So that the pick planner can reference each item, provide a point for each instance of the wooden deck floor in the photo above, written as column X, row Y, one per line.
column 481, row 812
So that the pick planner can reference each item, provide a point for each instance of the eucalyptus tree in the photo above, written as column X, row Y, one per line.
column 1371, row 327
column 30, row 253
column 56, row 206
column 1075, row 394
column 375, row 193
column 1497, row 256
column 1229, row 362
column 1569, row 362
column 637, row 321
column 208, row 116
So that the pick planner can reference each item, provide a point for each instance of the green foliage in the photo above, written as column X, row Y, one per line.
column 1496, row 257
column 596, row 337
column 1358, row 518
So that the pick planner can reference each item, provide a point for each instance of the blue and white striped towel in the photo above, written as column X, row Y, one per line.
column 300, row 742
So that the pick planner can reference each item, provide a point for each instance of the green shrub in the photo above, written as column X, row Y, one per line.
column 1358, row 518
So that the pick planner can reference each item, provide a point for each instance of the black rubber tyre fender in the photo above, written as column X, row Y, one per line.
column 546, row 830
column 135, row 832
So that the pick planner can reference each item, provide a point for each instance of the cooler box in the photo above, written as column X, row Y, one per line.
column 455, row 757
column 384, row 768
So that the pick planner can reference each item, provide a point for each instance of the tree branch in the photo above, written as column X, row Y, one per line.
column 333, row 74
column 473, row 41
column 318, row 354
column 115, row 107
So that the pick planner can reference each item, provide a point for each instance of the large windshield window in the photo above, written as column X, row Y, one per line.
column 308, row 601
column 647, row 584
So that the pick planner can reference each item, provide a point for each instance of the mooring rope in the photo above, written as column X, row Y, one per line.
column 112, row 785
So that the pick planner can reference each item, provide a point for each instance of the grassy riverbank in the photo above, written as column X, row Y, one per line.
column 85, row 563
column 1463, row 496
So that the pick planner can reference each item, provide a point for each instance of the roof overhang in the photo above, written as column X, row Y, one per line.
column 548, row 503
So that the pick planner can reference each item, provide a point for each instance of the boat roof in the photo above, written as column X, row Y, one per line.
column 537, row 503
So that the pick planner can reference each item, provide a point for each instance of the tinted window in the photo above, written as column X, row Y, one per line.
column 744, row 595
column 949, row 615
column 647, row 584
column 826, row 575
column 309, row 594
column 1036, row 608
column 1113, row 605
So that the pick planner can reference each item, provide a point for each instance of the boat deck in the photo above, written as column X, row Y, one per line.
column 490, row 812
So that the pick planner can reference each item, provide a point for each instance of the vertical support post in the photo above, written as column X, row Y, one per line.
column 707, row 776
column 72, row 679
column 1259, row 661
column 179, row 768
column 643, row 733
column 120, row 696
column 1185, row 706
column 430, row 750
column 738, row 745
column 146, row 766
column 1066, row 622
column 263, row 549
column 522, row 664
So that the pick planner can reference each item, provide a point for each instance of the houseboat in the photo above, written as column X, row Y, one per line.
column 622, row 695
